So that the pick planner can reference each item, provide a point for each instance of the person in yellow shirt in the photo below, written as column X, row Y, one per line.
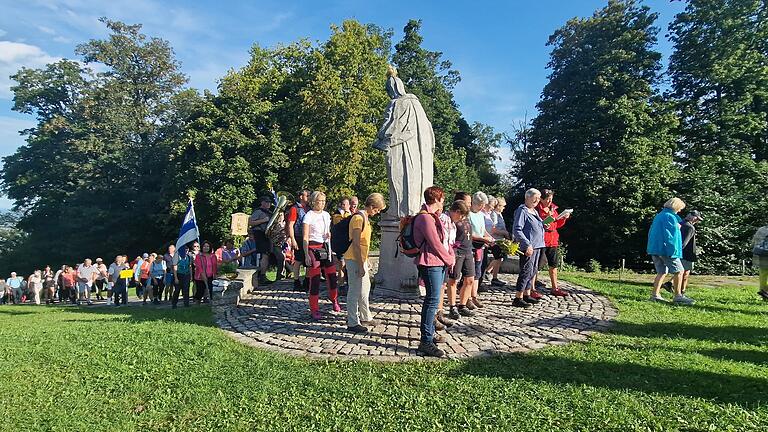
column 358, row 268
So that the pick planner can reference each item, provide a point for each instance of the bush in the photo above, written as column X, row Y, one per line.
column 593, row 266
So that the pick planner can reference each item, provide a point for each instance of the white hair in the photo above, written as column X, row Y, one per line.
column 532, row 192
column 479, row 198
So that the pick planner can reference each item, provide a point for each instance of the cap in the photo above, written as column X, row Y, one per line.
column 99, row 260
column 146, row 255
column 696, row 213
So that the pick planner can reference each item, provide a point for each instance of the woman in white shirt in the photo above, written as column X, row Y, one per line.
column 317, row 253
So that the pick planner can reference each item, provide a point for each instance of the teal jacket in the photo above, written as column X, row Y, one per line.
column 664, row 237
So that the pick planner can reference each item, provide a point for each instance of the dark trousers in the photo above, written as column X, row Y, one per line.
column 158, row 285
column 529, row 265
column 183, row 287
column 201, row 290
column 120, row 292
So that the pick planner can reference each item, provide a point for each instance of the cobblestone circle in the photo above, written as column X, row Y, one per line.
column 277, row 318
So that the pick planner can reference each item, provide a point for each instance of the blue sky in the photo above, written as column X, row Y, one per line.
column 497, row 46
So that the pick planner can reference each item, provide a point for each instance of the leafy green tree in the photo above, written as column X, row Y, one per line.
column 719, row 72
column 602, row 139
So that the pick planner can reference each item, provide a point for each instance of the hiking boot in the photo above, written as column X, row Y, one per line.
column 438, row 339
column 438, row 325
column 430, row 349
column 454, row 313
column 358, row 329
column 530, row 300
column 465, row 311
column 477, row 303
column 683, row 300
column 498, row 282
column 518, row 302
column 471, row 305
column 557, row 292
column 443, row 320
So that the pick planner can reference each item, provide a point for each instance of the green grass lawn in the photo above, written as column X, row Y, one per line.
column 700, row 368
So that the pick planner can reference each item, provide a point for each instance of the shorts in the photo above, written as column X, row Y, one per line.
column 552, row 257
column 83, row 287
column 665, row 264
column 465, row 266
column 687, row 265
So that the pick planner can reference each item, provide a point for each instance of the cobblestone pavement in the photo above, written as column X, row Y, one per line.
column 277, row 318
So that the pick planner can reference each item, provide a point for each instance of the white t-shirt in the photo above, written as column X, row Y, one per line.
column 319, row 225
column 86, row 272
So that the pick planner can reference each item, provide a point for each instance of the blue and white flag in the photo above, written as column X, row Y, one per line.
column 188, row 231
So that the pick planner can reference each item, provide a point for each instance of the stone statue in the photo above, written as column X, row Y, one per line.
column 409, row 141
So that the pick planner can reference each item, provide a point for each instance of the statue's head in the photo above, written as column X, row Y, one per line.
column 395, row 86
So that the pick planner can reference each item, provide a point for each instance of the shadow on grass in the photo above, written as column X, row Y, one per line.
column 724, row 388
column 200, row 315
column 15, row 312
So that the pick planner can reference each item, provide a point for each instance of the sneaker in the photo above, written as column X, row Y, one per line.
column 658, row 299
column 667, row 286
column 443, row 320
column 498, row 282
column 536, row 295
column 518, row 302
column 358, row 329
column 296, row 285
column 430, row 349
column 316, row 315
column 454, row 313
column 438, row 325
column 681, row 299
column 336, row 307
column 465, row 311
column 530, row 299
column 438, row 339
column 477, row 302
column 557, row 292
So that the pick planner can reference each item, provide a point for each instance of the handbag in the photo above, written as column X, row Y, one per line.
column 321, row 254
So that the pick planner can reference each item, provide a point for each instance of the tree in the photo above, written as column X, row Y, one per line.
column 719, row 71
column 603, row 140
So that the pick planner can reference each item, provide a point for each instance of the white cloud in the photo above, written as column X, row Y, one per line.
column 62, row 39
column 14, row 56
column 47, row 30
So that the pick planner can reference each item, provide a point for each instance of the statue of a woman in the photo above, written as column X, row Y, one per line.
column 409, row 141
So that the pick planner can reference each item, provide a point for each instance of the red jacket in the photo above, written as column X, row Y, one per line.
column 551, row 236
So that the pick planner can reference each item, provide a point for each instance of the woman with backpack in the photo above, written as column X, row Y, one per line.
column 358, row 268
column 317, row 254
column 433, row 261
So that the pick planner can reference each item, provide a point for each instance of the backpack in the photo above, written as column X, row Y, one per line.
column 406, row 240
column 299, row 225
column 340, row 240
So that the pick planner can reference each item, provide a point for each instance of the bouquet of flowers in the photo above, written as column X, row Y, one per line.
column 508, row 247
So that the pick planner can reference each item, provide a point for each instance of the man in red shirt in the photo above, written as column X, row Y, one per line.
column 547, row 208
column 294, row 219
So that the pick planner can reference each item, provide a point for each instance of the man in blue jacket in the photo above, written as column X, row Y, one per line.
column 665, row 246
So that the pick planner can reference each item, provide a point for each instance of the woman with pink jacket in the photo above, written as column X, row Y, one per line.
column 205, row 271
column 433, row 261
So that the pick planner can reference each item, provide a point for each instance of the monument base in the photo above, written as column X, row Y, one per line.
column 397, row 277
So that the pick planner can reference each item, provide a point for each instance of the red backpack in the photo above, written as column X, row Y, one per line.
column 406, row 240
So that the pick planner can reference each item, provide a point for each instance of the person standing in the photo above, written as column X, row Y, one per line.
column 358, row 268
column 464, row 266
column 317, row 254
column 546, row 208
column 157, row 274
column 205, row 271
column 258, row 225
column 528, row 231
column 760, row 259
column 294, row 230
column 101, row 280
column 68, row 280
column 169, row 279
column 49, row 285
column 688, row 233
column 35, row 285
column 339, row 215
column 665, row 246
column 181, row 280
column 58, row 281
column 86, row 275
column 119, row 280
column 480, row 239
column 432, row 262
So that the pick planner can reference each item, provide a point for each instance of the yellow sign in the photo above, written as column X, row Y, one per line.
column 126, row 274
column 239, row 224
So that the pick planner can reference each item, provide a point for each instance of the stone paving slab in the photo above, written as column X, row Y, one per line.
column 277, row 318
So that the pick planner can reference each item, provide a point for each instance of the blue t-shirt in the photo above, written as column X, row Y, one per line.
column 14, row 282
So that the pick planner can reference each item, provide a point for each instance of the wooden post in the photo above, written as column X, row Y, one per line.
column 621, row 272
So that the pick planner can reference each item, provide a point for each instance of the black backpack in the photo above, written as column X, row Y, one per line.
column 340, row 240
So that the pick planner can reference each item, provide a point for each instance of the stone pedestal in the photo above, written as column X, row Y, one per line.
column 397, row 276
column 245, row 277
column 511, row 264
